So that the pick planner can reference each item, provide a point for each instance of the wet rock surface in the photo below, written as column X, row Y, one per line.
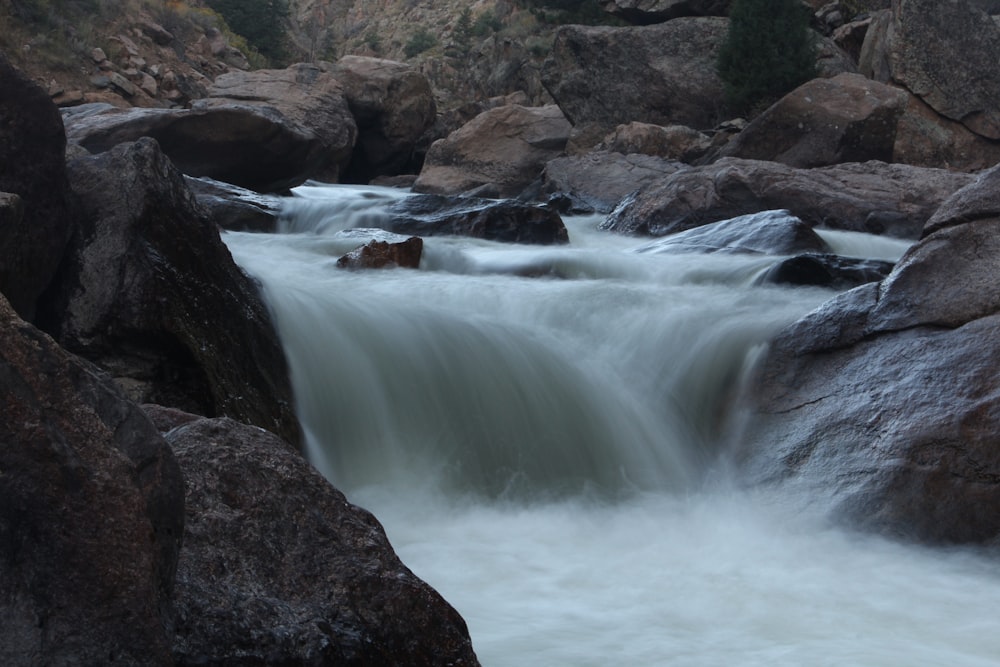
column 883, row 403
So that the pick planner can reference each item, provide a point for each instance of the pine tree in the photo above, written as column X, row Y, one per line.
column 768, row 51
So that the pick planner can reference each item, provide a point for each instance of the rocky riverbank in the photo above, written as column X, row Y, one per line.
column 150, row 478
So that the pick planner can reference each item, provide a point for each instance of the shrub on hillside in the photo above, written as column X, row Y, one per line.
column 769, row 50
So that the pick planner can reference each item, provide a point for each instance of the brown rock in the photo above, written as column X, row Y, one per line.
column 506, row 147
column 825, row 121
column 851, row 37
column 150, row 293
column 393, row 106
column 278, row 568
column 926, row 139
column 674, row 142
column 382, row 254
column 91, row 513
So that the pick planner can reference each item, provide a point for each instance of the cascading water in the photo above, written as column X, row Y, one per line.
column 544, row 450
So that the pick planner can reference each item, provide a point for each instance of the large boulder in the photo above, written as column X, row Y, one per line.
column 927, row 47
column 267, row 130
column 33, row 167
column 848, row 118
column 645, row 12
column 927, row 139
column 503, row 149
column 91, row 513
column 874, row 197
column 663, row 74
column 393, row 106
column 149, row 292
column 883, row 405
column 598, row 181
column 278, row 568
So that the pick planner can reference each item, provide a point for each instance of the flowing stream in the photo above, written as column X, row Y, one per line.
column 545, row 451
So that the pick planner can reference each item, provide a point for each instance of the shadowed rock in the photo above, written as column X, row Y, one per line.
column 33, row 167
column 150, row 293
column 278, row 568
column 508, row 221
column 91, row 512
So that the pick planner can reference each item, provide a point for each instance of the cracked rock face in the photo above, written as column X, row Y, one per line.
column 883, row 405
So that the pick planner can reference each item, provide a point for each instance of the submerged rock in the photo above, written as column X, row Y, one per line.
column 382, row 254
column 826, row 270
column 770, row 232
column 508, row 221
column 278, row 568
column 91, row 512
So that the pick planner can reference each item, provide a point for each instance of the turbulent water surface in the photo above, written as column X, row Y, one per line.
column 546, row 451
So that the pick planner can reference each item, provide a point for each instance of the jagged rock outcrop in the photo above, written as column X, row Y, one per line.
column 278, row 568
column 36, row 229
column 149, row 292
column 645, row 12
column 662, row 74
column 598, row 181
column 881, row 407
column 393, row 106
column 91, row 512
column 926, row 47
column 266, row 130
column 508, row 221
column 502, row 149
column 847, row 118
column 876, row 197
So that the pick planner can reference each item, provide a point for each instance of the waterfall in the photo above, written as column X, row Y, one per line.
column 544, row 450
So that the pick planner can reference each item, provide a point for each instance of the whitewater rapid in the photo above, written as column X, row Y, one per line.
column 547, row 451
